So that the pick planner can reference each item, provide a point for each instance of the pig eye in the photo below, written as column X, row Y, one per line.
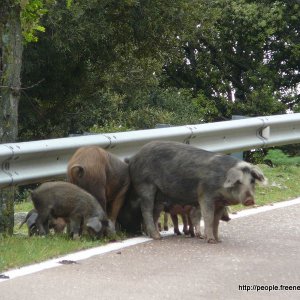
column 238, row 182
column 252, row 181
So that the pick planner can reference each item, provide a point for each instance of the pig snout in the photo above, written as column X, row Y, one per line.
column 249, row 199
column 249, row 202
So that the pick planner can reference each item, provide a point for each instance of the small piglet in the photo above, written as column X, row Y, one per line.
column 65, row 200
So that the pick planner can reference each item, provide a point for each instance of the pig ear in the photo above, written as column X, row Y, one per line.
column 94, row 224
column 232, row 177
column 258, row 175
column 77, row 171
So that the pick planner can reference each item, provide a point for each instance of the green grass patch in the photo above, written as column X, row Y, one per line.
column 28, row 250
column 279, row 158
column 20, row 250
column 24, row 206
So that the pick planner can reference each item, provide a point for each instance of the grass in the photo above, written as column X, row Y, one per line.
column 23, row 206
column 20, row 250
column 29, row 250
column 283, row 185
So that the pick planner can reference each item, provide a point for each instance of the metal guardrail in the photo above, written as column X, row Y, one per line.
column 28, row 162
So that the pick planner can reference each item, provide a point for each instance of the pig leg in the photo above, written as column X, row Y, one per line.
column 191, row 227
column 148, row 193
column 158, row 208
column 117, row 204
column 195, row 218
column 174, row 218
column 158, row 226
column 75, row 228
column 185, row 223
column 42, row 224
column 166, row 226
column 207, row 211
column 101, row 197
column 219, row 211
column 225, row 216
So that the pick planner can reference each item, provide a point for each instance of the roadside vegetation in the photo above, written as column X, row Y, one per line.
column 19, row 250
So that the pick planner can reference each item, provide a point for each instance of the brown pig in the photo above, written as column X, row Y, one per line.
column 103, row 175
column 183, row 211
column 191, row 217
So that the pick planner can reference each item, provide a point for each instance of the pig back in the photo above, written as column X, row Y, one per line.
column 99, row 172
column 61, row 199
column 178, row 170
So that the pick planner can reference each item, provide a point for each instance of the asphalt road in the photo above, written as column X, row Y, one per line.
column 260, row 251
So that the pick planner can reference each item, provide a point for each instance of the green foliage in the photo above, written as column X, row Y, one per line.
column 256, row 156
column 236, row 53
column 101, row 63
column 31, row 13
column 148, row 117
column 212, row 109
column 279, row 158
column 163, row 106
column 291, row 150
column 117, row 64
column 260, row 103
column 109, row 128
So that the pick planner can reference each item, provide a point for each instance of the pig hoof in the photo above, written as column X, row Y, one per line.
column 156, row 236
column 200, row 236
column 159, row 226
column 212, row 241
column 76, row 237
column 249, row 202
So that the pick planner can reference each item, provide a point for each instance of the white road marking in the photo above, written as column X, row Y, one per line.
column 123, row 244
column 260, row 209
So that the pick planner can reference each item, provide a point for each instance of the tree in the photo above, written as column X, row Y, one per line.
column 97, row 60
column 18, row 19
column 11, row 60
column 240, row 57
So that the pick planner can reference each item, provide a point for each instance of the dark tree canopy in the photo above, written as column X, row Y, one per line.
column 117, row 65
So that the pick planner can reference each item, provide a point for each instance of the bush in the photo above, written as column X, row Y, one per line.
column 277, row 157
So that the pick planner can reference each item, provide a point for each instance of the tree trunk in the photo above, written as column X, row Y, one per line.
column 11, row 49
